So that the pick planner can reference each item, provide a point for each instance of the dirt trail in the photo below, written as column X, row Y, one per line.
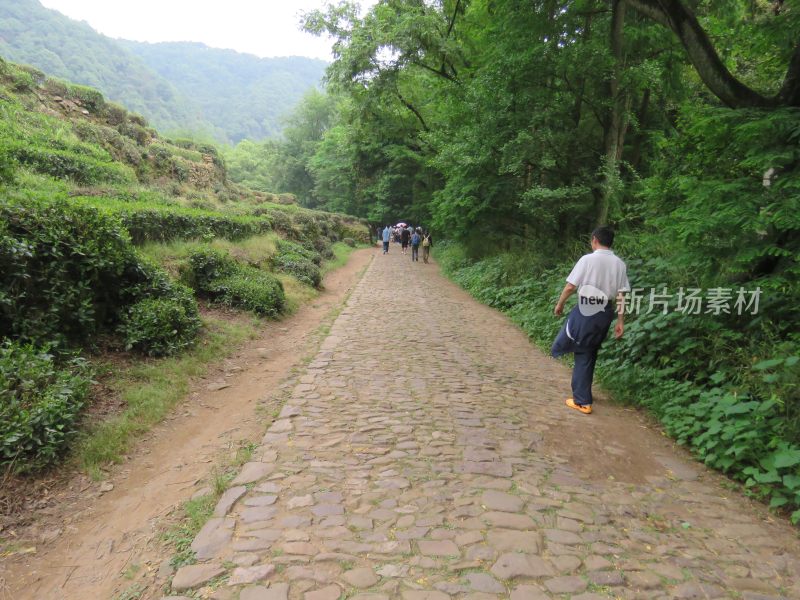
column 103, row 535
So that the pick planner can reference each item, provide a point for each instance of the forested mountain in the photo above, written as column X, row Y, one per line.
column 242, row 94
column 72, row 50
column 181, row 88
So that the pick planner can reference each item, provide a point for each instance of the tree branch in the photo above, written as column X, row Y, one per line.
column 438, row 72
column 702, row 54
column 410, row 107
column 453, row 19
column 789, row 94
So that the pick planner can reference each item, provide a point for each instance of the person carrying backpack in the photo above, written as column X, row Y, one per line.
column 427, row 243
column 416, row 238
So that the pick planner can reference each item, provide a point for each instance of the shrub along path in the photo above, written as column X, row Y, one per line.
column 426, row 454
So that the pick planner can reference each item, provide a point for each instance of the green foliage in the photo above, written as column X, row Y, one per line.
column 185, row 87
column 150, row 221
column 69, row 272
column 8, row 167
column 254, row 290
column 160, row 326
column 74, row 52
column 89, row 97
column 40, row 404
column 207, row 267
column 69, row 165
column 48, row 145
column 218, row 276
column 294, row 259
column 62, row 265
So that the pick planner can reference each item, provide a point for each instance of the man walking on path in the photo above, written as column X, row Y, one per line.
column 405, row 237
column 427, row 243
column 416, row 238
column 598, row 277
column 387, row 235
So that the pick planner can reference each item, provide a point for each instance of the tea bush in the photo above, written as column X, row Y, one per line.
column 220, row 277
column 207, row 267
column 160, row 326
column 147, row 222
column 294, row 259
column 69, row 273
column 40, row 404
column 253, row 290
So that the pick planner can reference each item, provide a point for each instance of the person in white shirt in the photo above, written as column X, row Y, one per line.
column 598, row 278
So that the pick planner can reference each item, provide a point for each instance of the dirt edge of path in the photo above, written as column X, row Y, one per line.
column 81, row 547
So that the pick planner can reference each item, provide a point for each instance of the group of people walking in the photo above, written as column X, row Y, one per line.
column 600, row 280
column 408, row 236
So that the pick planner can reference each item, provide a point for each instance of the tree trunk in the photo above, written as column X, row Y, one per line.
column 615, row 122
column 578, row 106
column 636, row 153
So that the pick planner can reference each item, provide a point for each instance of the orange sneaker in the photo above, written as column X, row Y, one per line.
column 584, row 408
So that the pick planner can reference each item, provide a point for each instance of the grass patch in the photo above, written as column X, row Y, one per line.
column 133, row 592
column 151, row 389
column 341, row 254
column 297, row 293
column 255, row 250
column 195, row 514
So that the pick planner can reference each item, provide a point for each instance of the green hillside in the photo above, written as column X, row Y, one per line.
column 245, row 96
column 32, row 34
column 112, row 239
column 181, row 87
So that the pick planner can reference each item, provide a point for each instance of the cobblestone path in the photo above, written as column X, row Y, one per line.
column 410, row 463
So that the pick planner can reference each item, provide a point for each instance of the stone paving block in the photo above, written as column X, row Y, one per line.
column 251, row 574
column 496, row 500
column 213, row 537
column 193, row 576
column 228, row 499
column 438, row 548
column 251, row 472
column 515, row 564
column 509, row 520
column 330, row 592
column 483, row 582
column 566, row 585
column 509, row 540
column 362, row 577
column 277, row 591
column 424, row 595
column 529, row 592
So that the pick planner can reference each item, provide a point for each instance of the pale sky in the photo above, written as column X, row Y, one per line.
column 261, row 27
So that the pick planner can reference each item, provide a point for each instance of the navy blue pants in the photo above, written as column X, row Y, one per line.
column 593, row 330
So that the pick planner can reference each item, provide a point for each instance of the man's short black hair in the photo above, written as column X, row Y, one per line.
column 604, row 235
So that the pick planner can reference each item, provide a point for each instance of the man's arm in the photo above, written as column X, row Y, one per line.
column 568, row 290
column 619, row 327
